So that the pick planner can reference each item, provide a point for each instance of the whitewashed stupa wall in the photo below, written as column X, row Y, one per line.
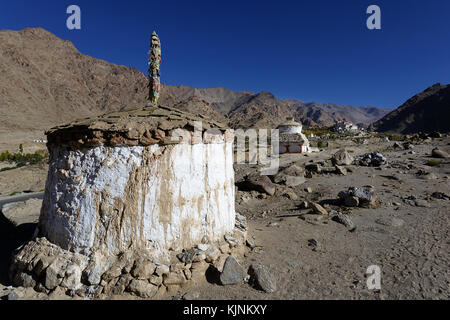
column 158, row 198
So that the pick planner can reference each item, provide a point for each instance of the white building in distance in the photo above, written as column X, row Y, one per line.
column 345, row 126
column 292, row 140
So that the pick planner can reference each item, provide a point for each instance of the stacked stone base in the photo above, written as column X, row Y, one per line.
column 47, row 268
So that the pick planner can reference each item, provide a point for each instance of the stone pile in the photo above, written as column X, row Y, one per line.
column 358, row 197
column 374, row 159
column 48, row 268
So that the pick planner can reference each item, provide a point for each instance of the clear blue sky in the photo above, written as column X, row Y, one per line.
column 310, row 50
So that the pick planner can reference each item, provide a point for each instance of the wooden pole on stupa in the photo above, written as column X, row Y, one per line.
column 154, row 62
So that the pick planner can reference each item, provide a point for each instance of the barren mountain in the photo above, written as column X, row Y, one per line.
column 221, row 99
column 247, row 109
column 426, row 112
column 46, row 81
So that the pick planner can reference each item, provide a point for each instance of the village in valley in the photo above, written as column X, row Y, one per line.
column 166, row 192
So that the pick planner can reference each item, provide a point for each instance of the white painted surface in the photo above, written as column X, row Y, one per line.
column 111, row 199
column 290, row 129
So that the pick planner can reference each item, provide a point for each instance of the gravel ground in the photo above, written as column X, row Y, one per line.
column 407, row 236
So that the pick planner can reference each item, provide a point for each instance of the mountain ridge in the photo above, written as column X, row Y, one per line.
column 45, row 81
column 426, row 112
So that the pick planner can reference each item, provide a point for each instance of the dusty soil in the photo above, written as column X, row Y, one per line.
column 24, row 179
column 407, row 238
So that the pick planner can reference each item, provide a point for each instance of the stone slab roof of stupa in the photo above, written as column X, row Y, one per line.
column 150, row 125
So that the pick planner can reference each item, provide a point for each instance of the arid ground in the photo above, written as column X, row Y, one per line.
column 407, row 235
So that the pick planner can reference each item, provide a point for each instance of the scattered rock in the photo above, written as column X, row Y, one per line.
column 259, row 183
column 440, row 195
column 262, row 278
column 390, row 222
column 422, row 203
column 294, row 181
column 304, row 205
column 345, row 220
column 340, row 170
column 342, row 157
column 314, row 167
column 435, row 135
column 317, row 245
column 290, row 194
column 427, row 176
column 358, row 196
column 191, row 295
column 438, row 153
column 291, row 176
column 188, row 255
column 318, row 209
column 142, row 288
column 311, row 217
column 374, row 159
column 351, row 201
column 233, row 272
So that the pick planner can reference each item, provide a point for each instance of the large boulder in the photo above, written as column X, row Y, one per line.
column 342, row 158
column 233, row 272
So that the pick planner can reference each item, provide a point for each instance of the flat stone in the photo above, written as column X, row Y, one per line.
column 23, row 212
column 233, row 272
column 259, row 183
column 174, row 278
column 142, row 288
column 311, row 217
column 422, row 203
column 390, row 222
column 317, row 208
column 292, row 181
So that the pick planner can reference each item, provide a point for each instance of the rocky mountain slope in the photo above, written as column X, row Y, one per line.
column 247, row 109
column 46, row 81
column 427, row 111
